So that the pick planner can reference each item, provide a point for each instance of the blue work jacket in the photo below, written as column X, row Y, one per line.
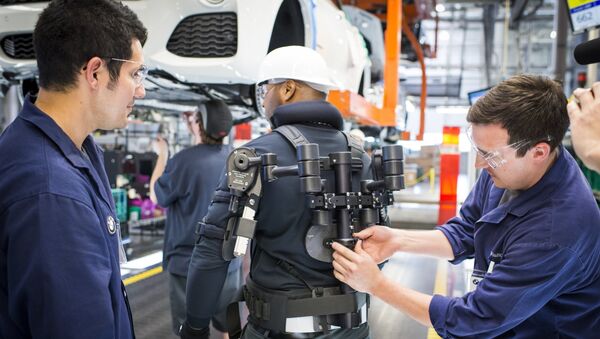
column 59, row 260
column 538, row 255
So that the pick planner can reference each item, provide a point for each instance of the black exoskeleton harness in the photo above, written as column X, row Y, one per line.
column 336, row 215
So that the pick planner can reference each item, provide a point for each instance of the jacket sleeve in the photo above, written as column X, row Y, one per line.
column 208, row 269
column 527, row 278
column 460, row 230
column 58, row 268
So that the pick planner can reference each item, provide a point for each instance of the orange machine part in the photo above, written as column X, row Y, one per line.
column 421, row 9
column 392, row 58
column 354, row 106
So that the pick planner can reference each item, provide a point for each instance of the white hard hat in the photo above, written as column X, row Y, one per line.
column 296, row 63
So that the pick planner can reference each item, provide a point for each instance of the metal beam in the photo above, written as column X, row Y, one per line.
column 516, row 12
column 489, row 14
column 559, row 45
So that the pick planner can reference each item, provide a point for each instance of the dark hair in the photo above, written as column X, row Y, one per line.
column 69, row 33
column 531, row 108
column 206, row 139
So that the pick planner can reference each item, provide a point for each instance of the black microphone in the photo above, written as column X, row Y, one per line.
column 587, row 52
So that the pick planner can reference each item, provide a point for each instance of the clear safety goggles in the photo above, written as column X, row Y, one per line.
column 494, row 158
column 140, row 74
column 264, row 87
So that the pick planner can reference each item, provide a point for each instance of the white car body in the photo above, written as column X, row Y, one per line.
column 325, row 29
column 370, row 27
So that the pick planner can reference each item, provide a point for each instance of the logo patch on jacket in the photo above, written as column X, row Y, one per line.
column 111, row 225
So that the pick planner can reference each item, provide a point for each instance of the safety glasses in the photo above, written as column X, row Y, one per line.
column 494, row 158
column 262, row 88
column 140, row 74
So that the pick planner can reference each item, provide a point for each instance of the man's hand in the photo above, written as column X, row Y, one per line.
column 188, row 332
column 584, row 113
column 378, row 242
column 356, row 269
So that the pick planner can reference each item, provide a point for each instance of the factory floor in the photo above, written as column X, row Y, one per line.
column 148, row 289
column 150, row 302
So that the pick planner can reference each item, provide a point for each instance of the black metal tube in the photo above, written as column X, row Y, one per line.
column 343, row 223
column 309, row 169
column 348, row 316
column 342, row 169
column 368, row 217
column 285, row 171
column 375, row 186
column 341, row 162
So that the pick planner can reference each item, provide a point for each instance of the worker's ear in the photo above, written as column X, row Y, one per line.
column 541, row 151
column 287, row 90
column 90, row 71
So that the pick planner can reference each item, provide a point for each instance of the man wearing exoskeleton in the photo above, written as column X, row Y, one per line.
column 291, row 291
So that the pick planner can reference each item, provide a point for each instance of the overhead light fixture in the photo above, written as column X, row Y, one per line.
column 440, row 8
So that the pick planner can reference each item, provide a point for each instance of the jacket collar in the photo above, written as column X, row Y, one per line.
column 319, row 112
column 49, row 127
column 94, row 166
column 535, row 196
column 543, row 190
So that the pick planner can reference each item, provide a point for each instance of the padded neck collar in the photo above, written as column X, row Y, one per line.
column 310, row 112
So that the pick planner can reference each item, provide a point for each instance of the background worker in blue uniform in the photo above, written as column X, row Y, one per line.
column 59, row 234
column 530, row 222
column 295, row 87
column 185, row 185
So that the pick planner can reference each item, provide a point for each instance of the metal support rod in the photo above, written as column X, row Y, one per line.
column 559, row 45
column 342, row 169
column 592, row 69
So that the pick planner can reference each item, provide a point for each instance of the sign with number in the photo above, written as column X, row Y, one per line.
column 584, row 14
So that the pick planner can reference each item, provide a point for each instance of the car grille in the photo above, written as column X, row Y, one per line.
column 212, row 35
column 18, row 46
column 13, row 2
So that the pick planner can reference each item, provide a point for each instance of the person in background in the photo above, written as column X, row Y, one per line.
column 584, row 113
column 59, row 235
column 531, row 223
column 185, row 184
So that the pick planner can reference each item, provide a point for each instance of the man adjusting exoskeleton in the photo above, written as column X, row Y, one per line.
column 287, row 203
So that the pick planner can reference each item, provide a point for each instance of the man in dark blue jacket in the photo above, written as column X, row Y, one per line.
column 294, row 83
column 531, row 223
column 185, row 184
column 59, row 234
